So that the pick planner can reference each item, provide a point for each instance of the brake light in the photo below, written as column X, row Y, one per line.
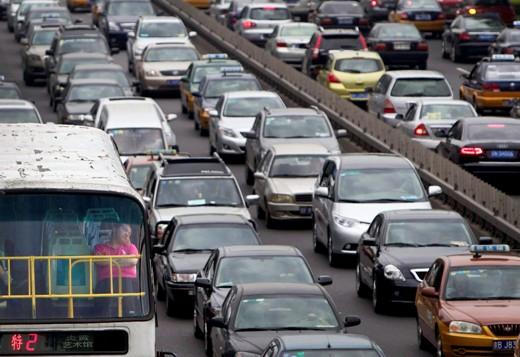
column 464, row 36
column 316, row 49
column 326, row 21
column 403, row 16
column 269, row 7
column 281, row 44
column 374, row 3
column 496, row 126
column 331, row 78
column 508, row 50
column 380, row 46
column 493, row 87
column 471, row 151
column 420, row 130
column 248, row 24
column 388, row 107
column 422, row 46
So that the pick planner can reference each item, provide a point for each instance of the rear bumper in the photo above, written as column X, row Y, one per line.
column 499, row 101
column 493, row 168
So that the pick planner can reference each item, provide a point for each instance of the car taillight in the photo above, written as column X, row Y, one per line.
column 388, row 107
column 374, row 3
column 471, row 151
column 331, row 78
column 281, row 44
column 494, row 87
column 464, row 36
column 380, row 46
column 248, row 24
column 508, row 50
column 403, row 16
column 420, row 130
column 326, row 21
column 422, row 46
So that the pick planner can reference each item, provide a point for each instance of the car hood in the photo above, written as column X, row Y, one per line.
column 78, row 107
column 418, row 257
column 485, row 312
column 237, row 123
column 331, row 143
column 166, row 66
column 293, row 185
column 192, row 262
column 365, row 212
column 167, row 213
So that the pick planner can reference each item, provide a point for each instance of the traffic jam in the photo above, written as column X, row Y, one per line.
column 159, row 199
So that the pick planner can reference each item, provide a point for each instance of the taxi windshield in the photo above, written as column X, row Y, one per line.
column 43, row 37
column 131, row 141
column 508, row 72
column 198, row 192
column 130, row 8
column 422, row 233
column 93, row 92
column 297, row 126
column 67, row 65
column 358, row 65
column 351, row 352
column 483, row 282
column 482, row 24
column 39, row 228
column 300, row 30
column 421, row 87
column 379, row 185
column 195, row 237
column 203, row 71
column 297, row 166
column 275, row 269
column 446, row 111
column 279, row 312
column 162, row 29
column 11, row 116
column 249, row 107
column 216, row 88
column 172, row 54
column 493, row 132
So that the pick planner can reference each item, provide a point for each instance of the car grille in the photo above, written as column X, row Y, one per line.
column 419, row 274
column 303, row 197
column 505, row 329
column 174, row 72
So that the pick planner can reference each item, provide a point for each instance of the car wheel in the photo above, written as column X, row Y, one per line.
column 438, row 346
column 332, row 257
column 444, row 52
column 362, row 289
column 204, row 132
column 250, row 176
column 160, row 293
column 170, row 306
column 421, row 340
column 378, row 302
column 316, row 244
column 208, row 345
column 197, row 332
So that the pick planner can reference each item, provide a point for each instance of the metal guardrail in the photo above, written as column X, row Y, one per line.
column 476, row 199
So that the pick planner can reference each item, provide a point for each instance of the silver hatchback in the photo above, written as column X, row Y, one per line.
column 289, row 41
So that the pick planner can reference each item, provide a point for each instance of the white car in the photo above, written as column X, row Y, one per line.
column 154, row 29
column 16, row 111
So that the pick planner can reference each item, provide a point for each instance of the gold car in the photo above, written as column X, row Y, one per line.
column 349, row 73
column 426, row 15
column 74, row 5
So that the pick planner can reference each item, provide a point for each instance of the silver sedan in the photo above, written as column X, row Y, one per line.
column 288, row 41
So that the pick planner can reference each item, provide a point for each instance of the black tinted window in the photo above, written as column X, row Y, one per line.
column 340, row 43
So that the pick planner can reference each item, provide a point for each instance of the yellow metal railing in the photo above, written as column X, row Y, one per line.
column 112, row 260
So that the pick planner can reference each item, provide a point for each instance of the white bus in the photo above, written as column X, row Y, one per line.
column 75, row 274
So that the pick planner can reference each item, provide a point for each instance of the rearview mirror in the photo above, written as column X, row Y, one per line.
column 213, row 113
column 192, row 34
column 204, row 283
column 367, row 240
column 217, row 322
column 49, row 52
column 195, row 94
column 259, row 175
column 252, row 200
column 352, row 321
column 430, row 292
column 184, row 79
column 434, row 190
column 131, row 34
column 165, row 354
column 399, row 117
column 248, row 134
column 341, row 133
column 322, row 192
column 324, row 280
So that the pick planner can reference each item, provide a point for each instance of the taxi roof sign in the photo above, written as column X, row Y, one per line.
column 231, row 69
column 502, row 58
column 214, row 56
column 488, row 248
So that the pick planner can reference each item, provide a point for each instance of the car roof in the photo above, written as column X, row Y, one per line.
column 420, row 214
column 490, row 120
column 212, row 218
column 216, row 62
column 412, row 73
column 132, row 116
column 16, row 103
column 279, row 288
column 99, row 66
column 251, row 94
column 258, row 250
column 341, row 54
column 89, row 81
column 373, row 160
column 328, row 341
column 293, row 111
column 299, row 149
column 468, row 259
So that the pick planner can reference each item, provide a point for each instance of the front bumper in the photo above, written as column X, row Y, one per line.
column 229, row 145
column 180, row 291
column 397, row 291
column 290, row 211
column 345, row 239
column 493, row 168
column 404, row 58
column 161, row 83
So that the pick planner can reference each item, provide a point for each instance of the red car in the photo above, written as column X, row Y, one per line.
column 502, row 8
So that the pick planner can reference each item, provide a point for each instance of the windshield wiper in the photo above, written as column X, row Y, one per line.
column 218, row 204
column 437, row 245
column 224, row 286
column 252, row 329
column 401, row 244
column 191, row 250
column 298, row 328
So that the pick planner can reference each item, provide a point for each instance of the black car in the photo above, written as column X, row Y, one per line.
column 252, row 314
column 399, row 247
column 378, row 10
column 106, row 71
column 398, row 44
column 485, row 147
column 508, row 42
column 9, row 90
column 340, row 14
column 323, row 41
column 119, row 17
column 228, row 266
column 470, row 36
column 188, row 243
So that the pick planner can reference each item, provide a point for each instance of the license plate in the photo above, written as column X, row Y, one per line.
column 507, row 345
column 345, row 21
column 502, row 154
column 191, row 292
column 173, row 82
column 486, row 37
column 363, row 95
column 305, row 211
column 401, row 46
column 423, row 17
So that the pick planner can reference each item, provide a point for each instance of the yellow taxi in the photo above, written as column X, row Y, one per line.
column 74, row 5
column 426, row 15
column 493, row 83
column 469, row 304
column 349, row 73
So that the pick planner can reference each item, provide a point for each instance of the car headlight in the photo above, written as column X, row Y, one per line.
column 80, row 117
column 281, row 198
column 228, row 132
column 152, row 73
column 345, row 221
column 113, row 26
column 393, row 273
column 465, row 327
column 184, row 278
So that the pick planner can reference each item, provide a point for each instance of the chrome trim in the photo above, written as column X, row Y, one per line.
column 420, row 270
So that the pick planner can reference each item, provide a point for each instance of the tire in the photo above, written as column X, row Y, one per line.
column 250, row 176
column 160, row 293
column 184, row 109
column 421, row 340
column 316, row 244
column 170, row 307
column 438, row 346
column 28, row 79
column 197, row 332
column 333, row 258
column 204, row 132
column 362, row 289
column 378, row 303
column 208, row 344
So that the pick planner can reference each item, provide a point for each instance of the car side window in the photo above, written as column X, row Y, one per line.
column 219, row 104
column 324, row 179
column 151, row 188
column 264, row 163
column 375, row 227
column 438, row 277
column 410, row 114
column 256, row 125
column 243, row 14
column 382, row 85
column 457, row 131
column 103, row 118
column 432, row 273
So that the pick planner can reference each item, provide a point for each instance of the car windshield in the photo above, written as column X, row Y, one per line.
column 55, row 242
column 358, row 65
column 405, row 32
column 8, row 116
column 427, row 5
column 296, row 166
column 162, row 29
column 296, row 126
column 43, row 37
column 93, row 92
column 380, row 185
column 203, row 71
column 171, row 54
column 67, row 65
column 216, row 88
column 421, row 87
column 270, row 13
column 446, row 111
column 341, row 7
column 115, row 75
column 482, row 24
column 198, row 192
column 130, row 8
column 86, row 44
column 138, row 174
column 506, row 72
column 249, row 107
column 279, row 312
column 483, row 282
column 275, row 269
column 351, row 352
column 26, row 7
column 9, row 93
column 493, row 132
column 52, row 14
column 130, row 141
column 423, row 233
column 303, row 30
column 195, row 237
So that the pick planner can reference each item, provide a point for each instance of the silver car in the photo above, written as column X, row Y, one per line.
column 395, row 90
column 288, row 41
column 257, row 21
column 235, row 113
column 352, row 189
column 291, row 125
column 285, row 181
column 17, row 111
column 428, row 120
column 38, row 41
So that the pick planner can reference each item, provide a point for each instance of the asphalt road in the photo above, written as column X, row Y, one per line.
column 394, row 333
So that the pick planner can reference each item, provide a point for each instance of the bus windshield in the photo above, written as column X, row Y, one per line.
column 72, row 256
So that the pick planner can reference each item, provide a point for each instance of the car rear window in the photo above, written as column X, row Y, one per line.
column 407, row 32
column 445, row 111
column 358, row 65
column 493, row 131
column 482, row 24
column 341, row 43
column 427, row 5
column 270, row 13
column 421, row 87
column 341, row 7
column 502, row 72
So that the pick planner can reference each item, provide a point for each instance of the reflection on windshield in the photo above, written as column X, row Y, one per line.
column 67, row 65
column 43, row 38
column 76, row 225
column 297, row 126
column 298, row 31
column 503, row 72
column 297, row 166
column 428, row 233
column 482, row 24
column 132, row 141
column 93, row 92
column 173, row 54
column 216, row 88
column 244, row 270
column 162, row 29
column 249, row 107
column 203, row 71
column 198, row 192
column 272, row 313
column 90, row 45
column 421, row 87
column 9, row 93
column 269, row 13
column 131, row 8
column 342, row 7
column 211, row 236
column 18, row 116
column 380, row 185
column 137, row 175
column 493, row 131
column 399, row 31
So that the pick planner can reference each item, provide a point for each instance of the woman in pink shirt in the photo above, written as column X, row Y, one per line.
column 119, row 244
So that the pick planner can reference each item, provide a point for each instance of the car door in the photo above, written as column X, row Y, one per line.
column 428, row 308
column 323, row 72
column 470, row 84
column 450, row 147
column 319, row 206
column 219, row 336
column 376, row 100
column 214, row 123
column 202, row 295
column 368, row 254
column 160, row 260
column 408, row 124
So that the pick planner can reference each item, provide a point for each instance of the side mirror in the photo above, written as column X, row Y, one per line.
column 114, row 50
column 434, row 190
column 352, row 321
column 184, row 79
column 217, row 322
column 88, row 117
column 370, row 90
column 158, row 249
column 213, row 113
column 248, row 134
column 252, row 200
column 367, row 240
column 430, row 292
column 24, row 41
column 485, row 240
column 192, row 34
column 341, row 133
column 204, row 283
column 259, row 176
column 322, row 192
column 147, row 200
column 399, row 117
column 171, row 117
column 324, row 280
column 195, row 94
column 131, row 34
column 49, row 53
